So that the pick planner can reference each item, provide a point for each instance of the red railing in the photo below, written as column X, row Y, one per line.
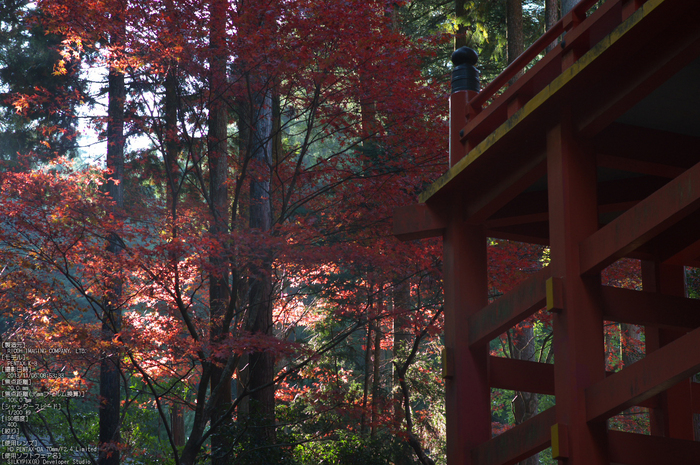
column 570, row 21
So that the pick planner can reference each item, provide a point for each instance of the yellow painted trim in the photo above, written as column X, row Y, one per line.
column 555, row 441
column 560, row 441
column 555, row 86
column 549, row 292
column 447, row 363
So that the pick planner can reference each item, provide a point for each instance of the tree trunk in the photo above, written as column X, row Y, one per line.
column 376, row 378
column 262, row 364
column 368, row 374
column 110, row 388
column 218, row 198
column 172, row 181
column 402, row 299
column 177, row 424
column 460, row 17
column 551, row 16
column 171, row 142
column 514, row 21
column 567, row 6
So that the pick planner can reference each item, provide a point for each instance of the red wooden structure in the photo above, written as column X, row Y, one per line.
column 594, row 151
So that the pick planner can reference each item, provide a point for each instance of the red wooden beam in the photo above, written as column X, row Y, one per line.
column 641, row 146
column 488, row 201
column 677, row 246
column 687, row 256
column 521, row 375
column 660, row 61
column 638, row 166
column 640, row 449
column 535, row 233
column 517, row 443
column 417, row 222
column 517, row 220
column 649, row 308
column 658, row 212
column 509, row 309
column 653, row 374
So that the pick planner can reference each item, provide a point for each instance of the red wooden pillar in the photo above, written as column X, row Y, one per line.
column 467, row 394
column 674, row 417
column 578, row 329
column 458, row 118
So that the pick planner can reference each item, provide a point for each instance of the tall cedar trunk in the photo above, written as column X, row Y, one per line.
column 376, row 379
column 171, row 144
column 402, row 337
column 177, row 418
column 514, row 21
column 460, row 17
column 218, row 197
column 551, row 16
column 110, row 390
column 370, row 129
column 365, row 386
column 261, row 364
column 567, row 5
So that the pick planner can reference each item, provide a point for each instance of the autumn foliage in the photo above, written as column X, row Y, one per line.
column 356, row 131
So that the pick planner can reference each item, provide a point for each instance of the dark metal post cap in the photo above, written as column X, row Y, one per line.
column 464, row 75
column 464, row 56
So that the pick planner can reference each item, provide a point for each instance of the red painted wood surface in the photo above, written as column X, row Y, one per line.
column 509, row 309
column 548, row 162
column 518, row 442
column 417, row 222
column 578, row 330
column 467, row 395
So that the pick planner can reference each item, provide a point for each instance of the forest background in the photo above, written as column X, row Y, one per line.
column 218, row 258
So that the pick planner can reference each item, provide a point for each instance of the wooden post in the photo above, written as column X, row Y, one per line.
column 674, row 417
column 467, row 393
column 578, row 329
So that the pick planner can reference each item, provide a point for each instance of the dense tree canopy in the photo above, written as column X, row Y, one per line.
column 230, row 252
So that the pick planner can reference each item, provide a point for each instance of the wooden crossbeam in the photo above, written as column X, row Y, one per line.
column 521, row 375
column 638, row 166
column 653, row 215
column 488, row 201
column 653, row 374
column 649, row 308
column 522, row 301
column 417, row 222
column 517, row 443
column 677, row 246
column 640, row 449
column 639, row 79
column 687, row 256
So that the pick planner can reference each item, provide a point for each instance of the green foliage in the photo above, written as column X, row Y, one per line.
column 349, row 448
column 40, row 94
